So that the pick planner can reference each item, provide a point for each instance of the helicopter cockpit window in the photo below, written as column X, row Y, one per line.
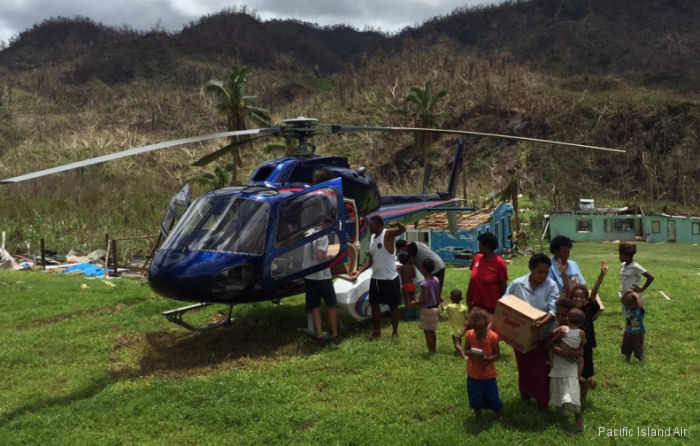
column 263, row 173
column 222, row 223
column 303, row 216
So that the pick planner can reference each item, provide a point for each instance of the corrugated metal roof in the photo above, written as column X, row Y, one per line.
column 623, row 212
column 464, row 219
column 690, row 217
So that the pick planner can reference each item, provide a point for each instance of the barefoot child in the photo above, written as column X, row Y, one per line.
column 428, row 303
column 456, row 319
column 407, row 272
column 631, row 272
column 633, row 339
column 587, row 303
column 480, row 352
column 564, row 387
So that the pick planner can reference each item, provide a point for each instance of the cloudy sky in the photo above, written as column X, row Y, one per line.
column 387, row 15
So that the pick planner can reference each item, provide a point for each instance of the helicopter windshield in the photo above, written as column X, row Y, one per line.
column 222, row 223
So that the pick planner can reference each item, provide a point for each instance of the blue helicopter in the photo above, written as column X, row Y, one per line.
column 249, row 243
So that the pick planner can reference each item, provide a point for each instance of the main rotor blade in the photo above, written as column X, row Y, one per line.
column 222, row 151
column 340, row 129
column 126, row 153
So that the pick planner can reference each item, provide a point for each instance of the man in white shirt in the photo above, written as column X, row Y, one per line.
column 385, row 286
column 319, row 286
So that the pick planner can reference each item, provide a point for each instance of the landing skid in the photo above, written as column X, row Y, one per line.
column 309, row 330
column 175, row 316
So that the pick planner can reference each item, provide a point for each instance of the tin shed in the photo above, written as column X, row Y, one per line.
column 460, row 246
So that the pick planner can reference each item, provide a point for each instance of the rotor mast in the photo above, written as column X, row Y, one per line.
column 303, row 128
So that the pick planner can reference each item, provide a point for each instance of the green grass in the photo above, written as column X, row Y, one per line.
column 101, row 366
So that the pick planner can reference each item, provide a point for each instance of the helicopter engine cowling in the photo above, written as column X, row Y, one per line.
column 360, row 186
column 299, row 172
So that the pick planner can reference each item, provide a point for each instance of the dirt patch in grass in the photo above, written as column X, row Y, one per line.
column 115, row 310
column 174, row 353
column 57, row 319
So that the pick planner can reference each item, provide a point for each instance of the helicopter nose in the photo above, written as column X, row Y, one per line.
column 233, row 280
column 200, row 276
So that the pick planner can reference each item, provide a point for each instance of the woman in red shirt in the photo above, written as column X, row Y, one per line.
column 489, row 275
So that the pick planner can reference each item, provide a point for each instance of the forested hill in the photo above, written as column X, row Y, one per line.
column 649, row 41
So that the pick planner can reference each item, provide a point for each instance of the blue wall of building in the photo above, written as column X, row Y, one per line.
column 461, row 247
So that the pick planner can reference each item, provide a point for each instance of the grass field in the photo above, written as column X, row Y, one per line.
column 101, row 366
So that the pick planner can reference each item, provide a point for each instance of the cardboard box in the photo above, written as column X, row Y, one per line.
column 513, row 319
column 602, row 307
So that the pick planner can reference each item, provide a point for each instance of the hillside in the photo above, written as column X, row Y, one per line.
column 652, row 42
column 116, row 89
column 114, row 56
column 648, row 41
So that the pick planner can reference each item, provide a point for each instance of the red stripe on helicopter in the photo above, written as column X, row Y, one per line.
column 292, row 189
column 340, row 257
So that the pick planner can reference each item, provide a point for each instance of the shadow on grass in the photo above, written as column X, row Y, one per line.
column 89, row 391
column 259, row 336
column 518, row 415
column 476, row 426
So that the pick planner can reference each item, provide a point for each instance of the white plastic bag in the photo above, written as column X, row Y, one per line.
column 6, row 260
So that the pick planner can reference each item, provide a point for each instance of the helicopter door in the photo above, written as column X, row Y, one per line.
column 176, row 209
column 309, row 234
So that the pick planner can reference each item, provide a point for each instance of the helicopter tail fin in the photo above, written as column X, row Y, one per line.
column 454, row 171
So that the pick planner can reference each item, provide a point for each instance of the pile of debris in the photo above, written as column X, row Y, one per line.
column 97, row 263
column 73, row 263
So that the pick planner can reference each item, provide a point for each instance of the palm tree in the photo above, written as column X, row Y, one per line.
column 421, row 106
column 238, row 108
column 510, row 193
column 216, row 179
